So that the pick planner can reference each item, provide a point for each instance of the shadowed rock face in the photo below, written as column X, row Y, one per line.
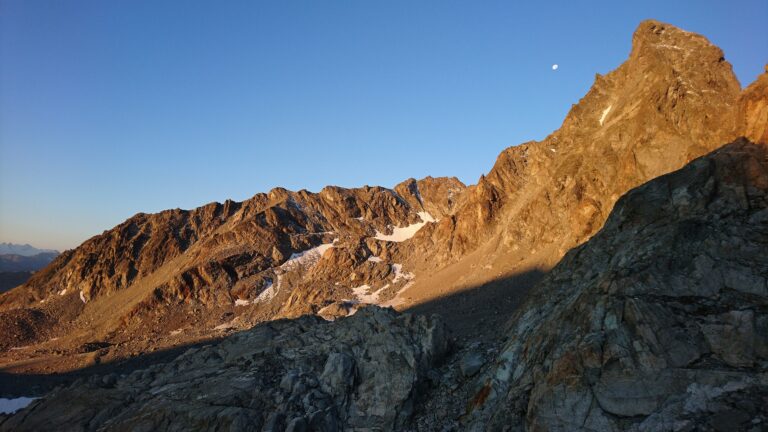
column 303, row 374
column 659, row 322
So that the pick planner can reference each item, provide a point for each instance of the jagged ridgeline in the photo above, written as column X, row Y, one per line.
column 650, row 313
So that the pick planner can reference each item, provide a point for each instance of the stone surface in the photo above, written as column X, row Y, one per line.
column 297, row 375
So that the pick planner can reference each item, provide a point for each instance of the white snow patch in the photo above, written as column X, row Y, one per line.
column 269, row 292
column 10, row 406
column 241, row 302
column 62, row 292
column 306, row 258
column 402, row 234
column 400, row 274
column 605, row 113
column 374, row 259
column 225, row 326
column 674, row 47
column 426, row 217
column 397, row 299
column 362, row 294
column 82, row 297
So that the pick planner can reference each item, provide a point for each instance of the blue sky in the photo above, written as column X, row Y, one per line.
column 109, row 108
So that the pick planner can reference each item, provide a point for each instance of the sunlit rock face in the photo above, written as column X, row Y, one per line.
column 673, row 100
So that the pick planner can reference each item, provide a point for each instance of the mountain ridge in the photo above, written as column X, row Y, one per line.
column 182, row 276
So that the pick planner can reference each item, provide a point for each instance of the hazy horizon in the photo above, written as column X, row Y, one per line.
column 110, row 109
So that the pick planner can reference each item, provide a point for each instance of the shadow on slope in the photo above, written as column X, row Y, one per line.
column 473, row 313
column 469, row 315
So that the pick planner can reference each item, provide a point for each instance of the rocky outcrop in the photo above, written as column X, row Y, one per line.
column 659, row 322
column 361, row 372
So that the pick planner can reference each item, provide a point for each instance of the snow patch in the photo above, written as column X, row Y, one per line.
column 400, row 274
column 374, row 259
column 269, row 291
column 362, row 294
column 63, row 292
column 240, row 302
column 176, row 332
column 397, row 299
column 82, row 297
column 306, row 258
column 605, row 113
column 225, row 326
column 402, row 234
column 674, row 47
column 10, row 406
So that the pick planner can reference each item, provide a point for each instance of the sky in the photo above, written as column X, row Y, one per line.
column 110, row 108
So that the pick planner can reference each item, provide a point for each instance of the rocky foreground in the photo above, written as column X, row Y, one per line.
column 296, row 375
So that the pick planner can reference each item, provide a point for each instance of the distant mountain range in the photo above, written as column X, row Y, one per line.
column 23, row 250
column 19, row 262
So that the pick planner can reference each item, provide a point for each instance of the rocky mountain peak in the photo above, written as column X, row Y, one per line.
column 674, row 99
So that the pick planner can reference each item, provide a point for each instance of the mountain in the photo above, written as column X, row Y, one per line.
column 673, row 100
column 23, row 250
column 12, row 279
column 16, row 269
column 179, row 275
column 431, row 246
column 28, row 263
column 657, row 323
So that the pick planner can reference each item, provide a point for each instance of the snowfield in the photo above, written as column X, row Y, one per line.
column 400, row 234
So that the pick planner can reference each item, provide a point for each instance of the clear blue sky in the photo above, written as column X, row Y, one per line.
column 109, row 108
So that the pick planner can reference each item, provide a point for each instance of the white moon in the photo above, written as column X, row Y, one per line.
column 554, row 67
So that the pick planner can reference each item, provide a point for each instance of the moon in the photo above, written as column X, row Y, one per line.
column 554, row 67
